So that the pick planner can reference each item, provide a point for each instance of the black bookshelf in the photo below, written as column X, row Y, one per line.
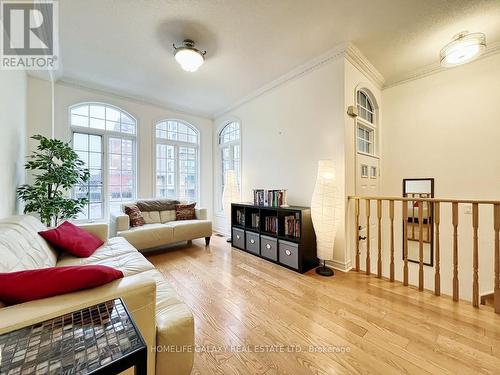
column 282, row 235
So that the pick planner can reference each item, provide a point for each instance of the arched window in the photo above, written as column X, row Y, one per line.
column 365, row 107
column 104, row 137
column 177, row 146
column 230, row 152
column 365, row 123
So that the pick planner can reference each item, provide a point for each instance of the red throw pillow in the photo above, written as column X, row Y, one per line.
column 72, row 239
column 185, row 211
column 29, row 285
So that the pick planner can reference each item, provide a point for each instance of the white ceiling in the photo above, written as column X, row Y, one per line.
column 126, row 45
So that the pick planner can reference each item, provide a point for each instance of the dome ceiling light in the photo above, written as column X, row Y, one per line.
column 464, row 48
column 189, row 57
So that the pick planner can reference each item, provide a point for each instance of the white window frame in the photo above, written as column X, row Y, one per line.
column 370, row 141
column 368, row 110
column 176, row 144
column 221, row 147
column 105, row 135
column 364, row 171
column 365, row 125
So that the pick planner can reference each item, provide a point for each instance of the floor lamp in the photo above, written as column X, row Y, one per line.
column 230, row 194
column 323, row 214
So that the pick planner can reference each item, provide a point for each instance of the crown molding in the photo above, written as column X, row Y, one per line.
column 347, row 50
column 102, row 90
column 434, row 68
column 291, row 75
column 356, row 58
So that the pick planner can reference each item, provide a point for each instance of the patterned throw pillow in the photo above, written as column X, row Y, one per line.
column 185, row 211
column 135, row 216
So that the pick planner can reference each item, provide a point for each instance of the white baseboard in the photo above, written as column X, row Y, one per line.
column 221, row 230
column 340, row 266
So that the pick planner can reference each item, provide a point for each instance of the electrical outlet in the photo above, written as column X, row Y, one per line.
column 467, row 208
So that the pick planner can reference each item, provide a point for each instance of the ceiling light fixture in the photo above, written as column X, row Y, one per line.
column 189, row 57
column 463, row 48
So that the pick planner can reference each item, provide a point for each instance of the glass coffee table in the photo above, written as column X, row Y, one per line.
column 100, row 339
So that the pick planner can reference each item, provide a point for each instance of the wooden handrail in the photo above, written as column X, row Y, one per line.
column 442, row 200
column 431, row 220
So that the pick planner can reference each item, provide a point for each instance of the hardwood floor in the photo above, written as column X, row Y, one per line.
column 251, row 316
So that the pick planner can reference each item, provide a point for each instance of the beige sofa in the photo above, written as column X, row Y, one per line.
column 162, row 318
column 161, row 228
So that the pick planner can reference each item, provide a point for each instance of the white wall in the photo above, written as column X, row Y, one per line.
column 12, row 142
column 446, row 126
column 286, row 131
column 146, row 114
column 39, row 112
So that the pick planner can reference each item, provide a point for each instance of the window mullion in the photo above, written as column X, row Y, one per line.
column 105, row 175
column 177, row 170
column 231, row 156
column 197, row 174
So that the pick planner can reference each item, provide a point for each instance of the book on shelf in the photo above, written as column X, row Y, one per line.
column 270, row 198
column 292, row 226
column 255, row 220
column 240, row 217
column 271, row 224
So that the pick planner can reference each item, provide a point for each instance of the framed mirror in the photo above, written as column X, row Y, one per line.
column 420, row 188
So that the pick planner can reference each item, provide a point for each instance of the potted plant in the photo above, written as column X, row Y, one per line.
column 56, row 169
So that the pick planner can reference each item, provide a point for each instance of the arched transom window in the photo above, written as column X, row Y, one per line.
column 104, row 137
column 230, row 152
column 365, row 107
column 177, row 160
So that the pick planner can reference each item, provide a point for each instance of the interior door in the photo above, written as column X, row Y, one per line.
column 367, row 184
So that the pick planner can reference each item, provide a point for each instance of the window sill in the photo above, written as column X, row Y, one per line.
column 367, row 154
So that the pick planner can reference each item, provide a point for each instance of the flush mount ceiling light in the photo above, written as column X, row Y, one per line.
column 463, row 48
column 189, row 57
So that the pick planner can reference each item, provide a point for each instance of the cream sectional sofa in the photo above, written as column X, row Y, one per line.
column 162, row 318
column 161, row 227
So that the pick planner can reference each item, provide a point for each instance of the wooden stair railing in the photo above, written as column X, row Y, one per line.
column 434, row 205
column 391, row 218
column 437, row 275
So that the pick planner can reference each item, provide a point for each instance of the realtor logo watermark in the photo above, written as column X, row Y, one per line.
column 29, row 35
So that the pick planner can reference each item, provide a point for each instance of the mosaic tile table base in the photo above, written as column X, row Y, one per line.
column 97, row 339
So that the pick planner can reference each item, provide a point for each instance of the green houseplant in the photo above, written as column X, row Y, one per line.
column 56, row 169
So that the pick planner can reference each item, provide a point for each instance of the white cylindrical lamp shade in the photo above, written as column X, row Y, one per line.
column 323, row 209
column 230, row 194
